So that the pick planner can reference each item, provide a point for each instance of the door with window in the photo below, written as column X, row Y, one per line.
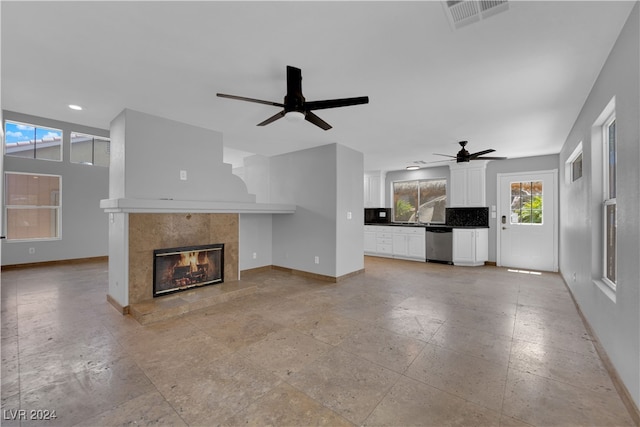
column 527, row 221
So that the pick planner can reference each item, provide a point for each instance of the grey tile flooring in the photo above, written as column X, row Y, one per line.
column 403, row 344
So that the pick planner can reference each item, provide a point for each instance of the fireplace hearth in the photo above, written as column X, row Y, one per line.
column 179, row 269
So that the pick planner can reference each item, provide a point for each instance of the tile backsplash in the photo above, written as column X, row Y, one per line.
column 467, row 217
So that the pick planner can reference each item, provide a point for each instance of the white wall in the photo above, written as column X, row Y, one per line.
column 84, row 228
column 257, row 175
column 324, row 183
column 349, row 212
column 615, row 321
column 256, row 230
column 157, row 149
column 306, row 178
column 255, row 237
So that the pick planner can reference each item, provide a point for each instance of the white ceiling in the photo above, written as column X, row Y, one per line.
column 514, row 82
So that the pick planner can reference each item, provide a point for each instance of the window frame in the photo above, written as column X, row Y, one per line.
column 418, row 182
column 531, row 210
column 35, row 143
column 93, row 148
column 607, row 199
column 578, row 153
column 579, row 158
column 57, row 208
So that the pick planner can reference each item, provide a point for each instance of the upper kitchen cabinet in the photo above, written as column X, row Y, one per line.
column 374, row 189
column 467, row 184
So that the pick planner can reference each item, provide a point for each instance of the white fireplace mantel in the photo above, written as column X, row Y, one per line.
column 125, row 205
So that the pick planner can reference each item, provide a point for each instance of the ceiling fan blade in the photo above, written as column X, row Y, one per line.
column 242, row 98
column 489, row 158
column 310, row 117
column 272, row 118
column 446, row 155
column 334, row 103
column 480, row 153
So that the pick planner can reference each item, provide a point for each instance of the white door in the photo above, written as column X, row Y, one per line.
column 528, row 221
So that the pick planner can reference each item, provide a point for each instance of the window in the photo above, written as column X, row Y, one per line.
column 573, row 165
column 576, row 168
column 609, row 202
column 88, row 149
column 420, row 201
column 526, row 202
column 24, row 140
column 32, row 204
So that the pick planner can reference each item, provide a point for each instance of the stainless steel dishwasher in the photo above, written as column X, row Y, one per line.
column 439, row 242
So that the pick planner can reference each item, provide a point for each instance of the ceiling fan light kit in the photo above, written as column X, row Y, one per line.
column 294, row 116
column 295, row 107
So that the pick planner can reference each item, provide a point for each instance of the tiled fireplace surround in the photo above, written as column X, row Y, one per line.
column 149, row 231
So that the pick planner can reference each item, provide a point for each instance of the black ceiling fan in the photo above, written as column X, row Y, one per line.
column 295, row 105
column 464, row 156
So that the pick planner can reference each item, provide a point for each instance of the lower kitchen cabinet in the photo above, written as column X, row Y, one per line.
column 416, row 246
column 470, row 246
column 369, row 240
column 400, row 244
column 395, row 242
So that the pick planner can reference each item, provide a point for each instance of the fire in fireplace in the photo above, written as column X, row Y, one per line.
column 178, row 269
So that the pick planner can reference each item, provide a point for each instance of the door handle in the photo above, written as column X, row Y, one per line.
column 505, row 228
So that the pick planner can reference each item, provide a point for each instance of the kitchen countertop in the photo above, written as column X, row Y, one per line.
column 403, row 224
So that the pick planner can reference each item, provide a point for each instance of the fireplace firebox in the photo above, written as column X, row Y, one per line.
column 179, row 269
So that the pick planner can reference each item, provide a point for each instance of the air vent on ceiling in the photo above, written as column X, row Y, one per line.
column 465, row 12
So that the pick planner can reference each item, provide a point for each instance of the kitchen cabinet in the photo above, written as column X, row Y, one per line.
column 369, row 239
column 400, row 247
column 470, row 246
column 395, row 242
column 374, row 189
column 467, row 184
column 384, row 243
column 416, row 246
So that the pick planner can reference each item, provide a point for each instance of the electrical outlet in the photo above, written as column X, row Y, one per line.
column 32, row 251
column 349, row 215
column 255, row 255
column 317, row 260
column 183, row 175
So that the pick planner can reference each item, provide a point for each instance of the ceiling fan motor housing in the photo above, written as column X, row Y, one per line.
column 462, row 156
column 294, row 103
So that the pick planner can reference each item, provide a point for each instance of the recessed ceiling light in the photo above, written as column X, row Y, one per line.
column 75, row 107
column 413, row 167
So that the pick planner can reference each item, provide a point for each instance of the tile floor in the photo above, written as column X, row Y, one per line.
column 403, row 344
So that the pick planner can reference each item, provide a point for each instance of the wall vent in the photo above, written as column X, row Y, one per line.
column 464, row 12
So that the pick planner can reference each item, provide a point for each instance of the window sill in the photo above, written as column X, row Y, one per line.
column 48, row 239
column 606, row 289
